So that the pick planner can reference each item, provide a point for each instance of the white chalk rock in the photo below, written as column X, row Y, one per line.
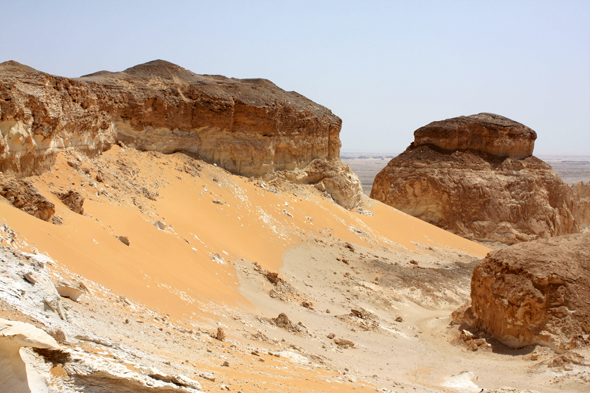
column 16, row 375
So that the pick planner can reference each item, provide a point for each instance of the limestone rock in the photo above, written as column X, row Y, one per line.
column 535, row 292
column 23, row 195
column 16, row 375
column 99, row 375
column 475, row 194
column 485, row 132
column 70, row 290
column 344, row 343
column 333, row 177
column 250, row 127
column 73, row 200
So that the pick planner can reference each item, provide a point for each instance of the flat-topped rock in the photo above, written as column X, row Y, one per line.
column 485, row 132
column 250, row 127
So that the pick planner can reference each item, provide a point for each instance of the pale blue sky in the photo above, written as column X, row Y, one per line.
column 385, row 67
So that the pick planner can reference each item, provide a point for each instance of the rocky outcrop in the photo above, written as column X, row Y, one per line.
column 250, row 127
column 23, row 195
column 488, row 188
column 535, row 292
column 485, row 132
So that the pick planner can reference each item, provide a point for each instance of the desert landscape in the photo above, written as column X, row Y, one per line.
column 164, row 231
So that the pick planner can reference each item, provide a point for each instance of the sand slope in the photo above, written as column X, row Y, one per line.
column 166, row 292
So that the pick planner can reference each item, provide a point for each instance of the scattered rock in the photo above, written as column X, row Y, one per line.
column 343, row 343
column 273, row 277
column 70, row 290
column 124, row 240
column 73, row 200
column 220, row 335
column 177, row 379
column 160, row 225
column 208, row 376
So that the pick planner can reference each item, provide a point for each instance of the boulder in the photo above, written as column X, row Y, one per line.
column 17, row 375
column 535, row 292
column 481, row 183
column 73, row 200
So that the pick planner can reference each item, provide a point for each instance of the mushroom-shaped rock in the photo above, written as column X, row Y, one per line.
column 16, row 375
column 475, row 176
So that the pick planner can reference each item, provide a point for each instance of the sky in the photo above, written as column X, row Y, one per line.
column 385, row 67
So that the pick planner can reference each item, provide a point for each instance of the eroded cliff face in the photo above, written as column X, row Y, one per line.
column 474, row 193
column 250, row 127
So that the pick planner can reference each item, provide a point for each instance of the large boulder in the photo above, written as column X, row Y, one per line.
column 535, row 292
column 474, row 176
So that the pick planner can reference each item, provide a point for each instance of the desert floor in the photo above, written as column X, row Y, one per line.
column 367, row 294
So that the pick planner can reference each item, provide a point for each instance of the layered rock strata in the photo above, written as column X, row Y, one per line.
column 535, row 292
column 250, row 127
column 475, row 177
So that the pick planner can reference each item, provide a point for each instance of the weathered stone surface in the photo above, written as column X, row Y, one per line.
column 15, row 374
column 73, row 200
column 476, row 194
column 333, row 177
column 486, row 132
column 248, row 126
column 22, row 195
column 581, row 198
column 535, row 292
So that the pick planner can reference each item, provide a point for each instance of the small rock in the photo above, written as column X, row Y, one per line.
column 225, row 364
column 208, row 376
column 217, row 202
column 307, row 304
column 399, row 319
column 341, row 342
column 160, row 225
column 220, row 335
column 123, row 239
column 331, row 336
column 70, row 290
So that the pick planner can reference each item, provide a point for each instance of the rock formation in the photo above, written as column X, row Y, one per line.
column 250, row 127
column 475, row 176
column 16, row 374
column 535, row 292
column 581, row 193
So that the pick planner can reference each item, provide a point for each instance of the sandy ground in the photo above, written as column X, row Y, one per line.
column 206, row 266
